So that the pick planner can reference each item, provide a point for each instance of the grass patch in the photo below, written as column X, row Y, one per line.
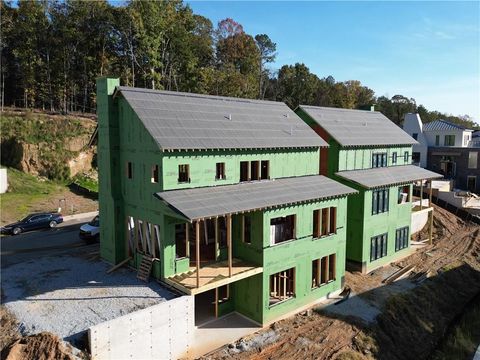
column 35, row 128
column 86, row 182
column 464, row 339
column 24, row 192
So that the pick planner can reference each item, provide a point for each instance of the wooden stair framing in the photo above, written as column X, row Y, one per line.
column 145, row 268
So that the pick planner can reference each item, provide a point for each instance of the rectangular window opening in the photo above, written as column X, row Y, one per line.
column 265, row 170
column 406, row 155
column 244, row 173
column 220, row 171
column 282, row 229
column 379, row 201
column 394, row 157
column 378, row 247
column 282, row 286
column 254, row 170
column 379, row 160
column 323, row 270
column 472, row 159
column 401, row 238
column 184, row 173
column 154, row 178
column 129, row 170
column 449, row 140
column 403, row 194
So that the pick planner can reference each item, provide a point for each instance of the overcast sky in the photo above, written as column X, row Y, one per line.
column 426, row 50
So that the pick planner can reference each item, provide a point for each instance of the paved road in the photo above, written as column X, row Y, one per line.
column 33, row 244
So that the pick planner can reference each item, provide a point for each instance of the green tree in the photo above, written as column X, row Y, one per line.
column 297, row 85
column 266, row 48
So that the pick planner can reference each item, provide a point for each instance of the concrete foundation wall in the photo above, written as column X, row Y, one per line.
column 162, row 331
column 3, row 181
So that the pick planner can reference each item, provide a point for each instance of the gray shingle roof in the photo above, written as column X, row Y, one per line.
column 358, row 127
column 377, row 177
column 214, row 201
column 191, row 121
column 439, row 125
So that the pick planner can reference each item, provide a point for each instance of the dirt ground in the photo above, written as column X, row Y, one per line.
column 42, row 346
column 411, row 324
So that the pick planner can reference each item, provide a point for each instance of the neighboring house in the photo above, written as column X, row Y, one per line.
column 371, row 154
column 452, row 150
column 223, row 196
column 413, row 126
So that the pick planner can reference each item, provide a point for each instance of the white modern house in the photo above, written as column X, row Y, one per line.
column 413, row 126
column 447, row 148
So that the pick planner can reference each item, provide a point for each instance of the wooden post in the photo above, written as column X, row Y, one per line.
column 318, row 273
column 216, row 302
column 217, row 249
column 421, row 194
column 430, row 195
column 197, row 249
column 187, row 239
column 229, row 243
column 430, row 233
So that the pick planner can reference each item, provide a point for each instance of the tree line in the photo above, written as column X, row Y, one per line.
column 52, row 52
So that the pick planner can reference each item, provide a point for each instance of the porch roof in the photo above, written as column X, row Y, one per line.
column 208, row 202
column 377, row 177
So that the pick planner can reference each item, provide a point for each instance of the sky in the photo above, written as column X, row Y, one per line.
column 429, row 51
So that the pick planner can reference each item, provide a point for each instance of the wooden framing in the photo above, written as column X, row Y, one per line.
column 229, row 243
column 430, row 195
column 187, row 240
column 216, row 302
column 197, row 249
column 421, row 194
column 217, row 238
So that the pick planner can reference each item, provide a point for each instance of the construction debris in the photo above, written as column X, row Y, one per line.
column 119, row 265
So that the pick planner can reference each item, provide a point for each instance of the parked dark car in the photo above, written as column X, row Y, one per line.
column 33, row 222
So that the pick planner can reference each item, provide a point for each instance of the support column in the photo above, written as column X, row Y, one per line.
column 430, row 195
column 217, row 250
column 229, row 243
column 187, row 240
column 421, row 194
column 430, row 233
column 197, row 249
column 216, row 302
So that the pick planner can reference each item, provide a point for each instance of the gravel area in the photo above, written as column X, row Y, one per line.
column 66, row 295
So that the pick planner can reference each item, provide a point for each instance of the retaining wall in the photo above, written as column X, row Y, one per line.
column 162, row 331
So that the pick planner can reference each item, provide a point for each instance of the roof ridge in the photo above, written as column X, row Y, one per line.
column 339, row 109
column 199, row 96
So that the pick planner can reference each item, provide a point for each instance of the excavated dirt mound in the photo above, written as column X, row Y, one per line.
column 42, row 346
column 9, row 328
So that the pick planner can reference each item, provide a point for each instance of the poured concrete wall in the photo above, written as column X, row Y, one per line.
column 162, row 331
column 3, row 181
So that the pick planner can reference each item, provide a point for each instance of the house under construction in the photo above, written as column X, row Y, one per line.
column 220, row 198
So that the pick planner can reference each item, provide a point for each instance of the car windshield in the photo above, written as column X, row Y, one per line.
column 26, row 218
column 95, row 222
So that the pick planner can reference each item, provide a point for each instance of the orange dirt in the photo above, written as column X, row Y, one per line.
column 42, row 346
column 411, row 324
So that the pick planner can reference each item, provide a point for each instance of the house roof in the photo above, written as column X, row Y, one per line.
column 442, row 125
column 383, row 176
column 181, row 121
column 358, row 127
column 207, row 202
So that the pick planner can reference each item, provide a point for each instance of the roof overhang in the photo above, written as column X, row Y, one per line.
column 210, row 202
column 387, row 176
